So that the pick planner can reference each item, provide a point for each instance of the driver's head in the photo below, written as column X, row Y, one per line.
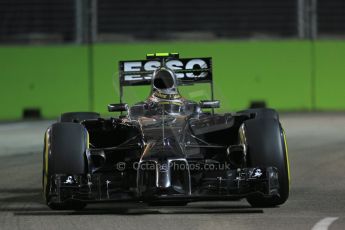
column 163, row 79
column 164, row 85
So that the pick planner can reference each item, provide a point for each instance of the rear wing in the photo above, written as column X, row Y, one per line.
column 188, row 70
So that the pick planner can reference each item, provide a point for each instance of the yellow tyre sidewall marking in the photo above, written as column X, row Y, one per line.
column 46, row 151
column 87, row 139
column 287, row 157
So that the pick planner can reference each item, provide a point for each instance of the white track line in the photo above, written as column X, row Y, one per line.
column 324, row 223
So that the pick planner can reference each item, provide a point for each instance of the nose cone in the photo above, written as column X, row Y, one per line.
column 171, row 175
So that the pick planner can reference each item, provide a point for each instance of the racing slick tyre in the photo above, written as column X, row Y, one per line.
column 64, row 153
column 78, row 116
column 266, row 147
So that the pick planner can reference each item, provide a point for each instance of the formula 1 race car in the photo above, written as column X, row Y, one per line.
column 166, row 150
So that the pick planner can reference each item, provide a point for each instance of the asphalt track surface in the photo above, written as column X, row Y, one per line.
column 317, row 201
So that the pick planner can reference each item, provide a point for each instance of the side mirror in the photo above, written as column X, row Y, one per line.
column 208, row 104
column 121, row 107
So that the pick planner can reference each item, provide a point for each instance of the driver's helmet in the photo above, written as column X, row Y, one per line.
column 165, row 95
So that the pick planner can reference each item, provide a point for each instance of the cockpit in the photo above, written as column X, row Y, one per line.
column 148, row 109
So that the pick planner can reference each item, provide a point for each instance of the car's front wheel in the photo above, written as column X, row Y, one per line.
column 64, row 153
column 266, row 147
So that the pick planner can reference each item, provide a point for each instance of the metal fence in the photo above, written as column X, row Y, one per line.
column 331, row 18
column 23, row 21
column 82, row 21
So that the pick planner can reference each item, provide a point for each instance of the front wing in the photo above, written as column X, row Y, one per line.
column 103, row 187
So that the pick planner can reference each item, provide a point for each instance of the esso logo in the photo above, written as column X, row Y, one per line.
column 172, row 64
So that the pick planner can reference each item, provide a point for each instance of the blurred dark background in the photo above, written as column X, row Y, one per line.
column 68, row 21
column 286, row 53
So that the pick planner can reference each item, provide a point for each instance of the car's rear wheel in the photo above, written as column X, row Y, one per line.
column 78, row 116
column 266, row 147
column 64, row 153
column 260, row 113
